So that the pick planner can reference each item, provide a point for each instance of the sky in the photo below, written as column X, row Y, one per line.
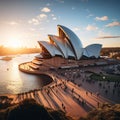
column 24, row 22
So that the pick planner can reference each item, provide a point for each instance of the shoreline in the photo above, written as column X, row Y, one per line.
column 43, row 74
column 67, row 89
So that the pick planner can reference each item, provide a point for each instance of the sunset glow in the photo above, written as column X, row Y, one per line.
column 23, row 23
column 59, row 59
column 14, row 41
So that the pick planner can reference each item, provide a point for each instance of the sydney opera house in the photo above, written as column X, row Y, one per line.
column 67, row 45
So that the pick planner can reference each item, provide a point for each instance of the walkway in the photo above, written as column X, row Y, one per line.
column 64, row 95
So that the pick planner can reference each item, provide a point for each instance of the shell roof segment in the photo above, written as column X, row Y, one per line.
column 50, row 48
column 67, row 44
column 72, row 39
column 92, row 50
column 62, row 46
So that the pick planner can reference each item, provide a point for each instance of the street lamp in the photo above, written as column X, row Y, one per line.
column 104, row 81
column 103, row 77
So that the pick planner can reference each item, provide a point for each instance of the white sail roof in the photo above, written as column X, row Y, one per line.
column 67, row 44
column 92, row 50
column 50, row 48
column 72, row 39
column 62, row 46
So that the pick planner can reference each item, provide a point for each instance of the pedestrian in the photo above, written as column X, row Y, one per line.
column 78, row 96
column 113, row 91
column 86, row 93
column 82, row 102
column 72, row 90
column 98, row 104
column 98, row 94
column 62, row 105
column 64, row 108
column 106, row 91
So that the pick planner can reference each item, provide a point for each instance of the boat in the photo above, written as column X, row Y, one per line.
column 6, row 58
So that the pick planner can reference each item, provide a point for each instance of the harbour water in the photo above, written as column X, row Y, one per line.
column 13, row 81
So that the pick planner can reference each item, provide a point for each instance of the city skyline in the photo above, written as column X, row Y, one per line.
column 25, row 22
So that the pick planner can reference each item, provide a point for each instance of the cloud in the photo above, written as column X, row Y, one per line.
column 52, row 15
column 38, row 19
column 13, row 23
column 73, row 8
column 32, row 29
column 90, row 15
column 34, row 21
column 54, row 18
column 91, row 28
column 46, row 9
column 106, row 37
column 104, row 18
column 103, row 33
column 42, row 16
column 76, row 29
column 112, row 24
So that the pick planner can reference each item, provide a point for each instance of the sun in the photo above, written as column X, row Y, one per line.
column 14, row 38
column 14, row 42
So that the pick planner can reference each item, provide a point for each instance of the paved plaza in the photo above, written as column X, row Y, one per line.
column 71, row 91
